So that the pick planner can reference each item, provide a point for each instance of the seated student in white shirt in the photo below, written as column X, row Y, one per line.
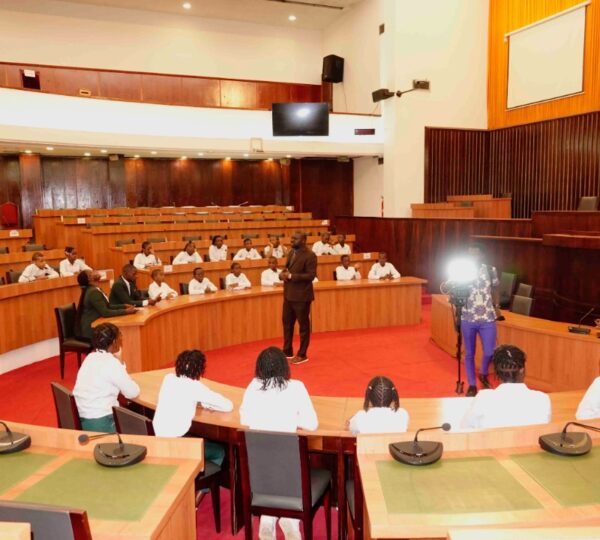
column 274, row 402
column 38, row 269
column 381, row 411
column 589, row 407
column 146, row 257
column 247, row 252
column 180, row 393
column 159, row 288
column 345, row 272
column 511, row 403
column 189, row 255
column 217, row 250
column 341, row 248
column 200, row 284
column 237, row 280
column 275, row 248
column 72, row 264
column 270, row 276
column 383, row 269
column 100, row 380
column 323, row 246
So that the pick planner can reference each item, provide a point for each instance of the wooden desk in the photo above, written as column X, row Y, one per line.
column 541, row 533
column 549, row 222
column 442, row 211
column 500, row 444
column 485, row 206
column 572, row 241
column 15, row 239
column 18, row 260
column 15, row 531
column 551, row 349
column 171, row 515
column 460, row 198
column 27, row 309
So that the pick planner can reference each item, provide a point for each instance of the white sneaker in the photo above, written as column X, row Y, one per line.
column 290, row 528
column 266, row 530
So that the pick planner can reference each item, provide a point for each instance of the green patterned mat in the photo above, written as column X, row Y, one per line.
column 16, row 467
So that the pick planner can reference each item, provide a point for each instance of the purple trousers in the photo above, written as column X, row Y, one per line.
column 487, row 334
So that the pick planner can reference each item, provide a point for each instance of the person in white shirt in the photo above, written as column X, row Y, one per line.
column 589, row 407
column 247, row 252
column 159, row 288
column 345, row 272
column 323, row 246
column 237, row 280
column 270, row 276
column 72, row 264
column 146, row 257
column 274, row 402
column 180, row 393
column 341, row 248
column 218, row 250
column 38, row 269
column 511, row 403
column 100, row 380
column 275, row 248
column 383, row 269
column 381, row 410
column 189, row 255
column 200, row 284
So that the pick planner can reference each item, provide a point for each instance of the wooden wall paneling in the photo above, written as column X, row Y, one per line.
column 10, row 182
column 305, row 93
column 60, row 184
column 161, row 89
column 117, row 191
column 3, row 76
column 238, row 94
column 92, row 183
column 269, row 93
column 197, row 92
column 122, row 86
column 130, row 172
column 31, row 186
column 70, row 81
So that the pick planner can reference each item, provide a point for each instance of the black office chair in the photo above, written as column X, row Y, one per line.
column 222, row 283
column 131, row 423
column 521, row 305
column 206, row 257
column 334, row 275
column 97, row 224
column 33, row 247
column 355, row 498
column 525, row 290
column 12, row 276
column 67, row 414
column 588, row 204
column 48, row 522
column 184, row 288
column 278, row 234
column 191, row 238
column 66, row 317
column 127, row 242
column 235, row 220
column 507, row 287
column 251, row 236
column 157, row 240
column 277, row 480
column 3, row 250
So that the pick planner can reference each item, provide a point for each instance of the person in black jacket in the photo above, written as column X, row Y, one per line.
column 125, row 291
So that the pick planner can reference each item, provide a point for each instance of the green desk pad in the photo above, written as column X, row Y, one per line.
column 14, row 468
column 572, row 481
column 119, row 494
column 452, row 486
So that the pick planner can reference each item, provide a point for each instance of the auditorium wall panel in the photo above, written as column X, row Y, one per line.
column 10, row 180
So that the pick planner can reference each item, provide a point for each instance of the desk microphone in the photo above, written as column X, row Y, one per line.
column 419, row 453
column 568, row 444
column 577, row 329
column 114, row 454
column 244, row 203
column 12, row 442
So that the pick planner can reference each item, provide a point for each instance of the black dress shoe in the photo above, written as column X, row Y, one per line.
column 471, row 391
column 485, row 382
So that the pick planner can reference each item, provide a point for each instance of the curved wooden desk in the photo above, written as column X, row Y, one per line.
column 154, row 336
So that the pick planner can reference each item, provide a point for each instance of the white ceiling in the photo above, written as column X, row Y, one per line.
column 313, row 14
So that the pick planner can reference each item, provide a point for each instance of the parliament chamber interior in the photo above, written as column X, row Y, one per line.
column 299, row 269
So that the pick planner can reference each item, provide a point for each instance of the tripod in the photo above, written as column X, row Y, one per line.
column 458, row 304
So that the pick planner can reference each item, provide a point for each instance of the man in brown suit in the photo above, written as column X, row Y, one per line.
column 297, row 276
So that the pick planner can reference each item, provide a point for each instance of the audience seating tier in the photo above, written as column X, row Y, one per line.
column 17, row 261
column 15, row 239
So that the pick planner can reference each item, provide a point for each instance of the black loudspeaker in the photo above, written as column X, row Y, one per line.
column 333, row 69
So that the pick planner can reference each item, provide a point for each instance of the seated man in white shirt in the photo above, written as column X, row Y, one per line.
column 218, row 249
column 323, row 246
column 345, row 272
column 146, row 258
column 189, row 255
column 159, row 288
column 72, row 264
column 383, row 269
column 247, row 252
column 511, row 403
column 341, row 248
column 275, row 248
column 270, row 276
column 237, row 280
column 200, row 284
column 38, row 269
column 589, row 407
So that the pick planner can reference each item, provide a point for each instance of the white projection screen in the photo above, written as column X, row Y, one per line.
column 545, row 59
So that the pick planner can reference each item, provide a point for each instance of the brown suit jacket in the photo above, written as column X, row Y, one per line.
column 302, row 264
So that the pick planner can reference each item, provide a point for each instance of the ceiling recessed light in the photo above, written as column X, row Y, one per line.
column 186, row 5
column 49, row 148
column 136, row 156
column 183, row 157
column 246, row 155
column 289, row 156
column 270, row 159
column 87, row 154
column 292, row 18
column 28, row 151
column 153, row 152
column 103, row 151
column 227, row 159
column 200, row 153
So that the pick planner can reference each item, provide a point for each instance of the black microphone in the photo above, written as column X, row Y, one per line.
column 84, row 438
column 114, row 454
column 577, row 329
column 244, row 203
column 568, row 444
column 585, row 426
column 417, row 452
column 12, row 441
column 445, row 426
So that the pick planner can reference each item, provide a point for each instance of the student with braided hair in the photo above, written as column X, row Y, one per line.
column 512, row 403
column 381, row 411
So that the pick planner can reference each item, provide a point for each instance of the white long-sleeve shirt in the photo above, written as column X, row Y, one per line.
column 342, row 250
column 276, row 409
column 380, row 420
column 377, row 271
column 242, row 281
column 32, row 272
column 183, row 257
column 268, row 278
column 67, row 268
column 243, row 255
column 142, row 261
column 270, row 251
column 217, row 254
column 319, row 248
column 346, row 274
column 177, row 402
column 200, row 287
column 100, row 380
column 510, row 404
column 589, row 407
column 163, row 290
